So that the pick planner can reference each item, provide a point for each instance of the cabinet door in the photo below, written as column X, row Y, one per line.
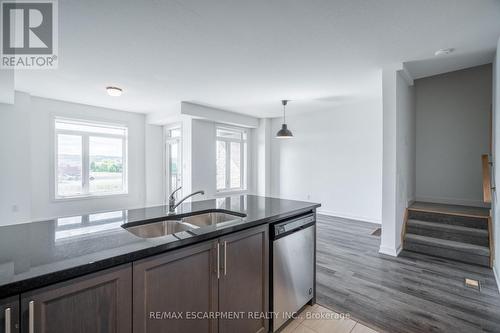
column 9, row 315
column 243, row 286
column 171, row 286
column 97, row 303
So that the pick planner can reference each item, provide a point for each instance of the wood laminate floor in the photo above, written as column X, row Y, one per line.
column 408, row 294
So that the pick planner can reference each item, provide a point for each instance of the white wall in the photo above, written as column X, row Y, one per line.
column 203, row 163
column 7, row 86
column 406, row 147
column 187, row 145
column 496, row 166
column 262, row 162
column 398, row 155
column 154, row 165
column 15, row 161
column 453, row 114
column 335, row 158
column 27, row 150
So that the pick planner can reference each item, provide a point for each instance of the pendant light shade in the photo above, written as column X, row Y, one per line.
column 284, row 132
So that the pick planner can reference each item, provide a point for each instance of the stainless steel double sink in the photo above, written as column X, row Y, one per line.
column 172, row 226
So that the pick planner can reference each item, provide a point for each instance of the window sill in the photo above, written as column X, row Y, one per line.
column 90, row 196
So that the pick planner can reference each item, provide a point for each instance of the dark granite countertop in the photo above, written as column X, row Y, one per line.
column 37, row 254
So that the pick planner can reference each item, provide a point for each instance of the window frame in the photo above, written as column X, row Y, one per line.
column 244, row 160
column 86, row 194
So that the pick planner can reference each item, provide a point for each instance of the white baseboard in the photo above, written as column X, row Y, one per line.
column 349, row 216
column 497, row 276
column 390, row 251
column 453, row 201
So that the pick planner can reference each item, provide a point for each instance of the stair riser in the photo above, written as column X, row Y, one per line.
column 463, row 237
column 464, row 221
column 447, row 253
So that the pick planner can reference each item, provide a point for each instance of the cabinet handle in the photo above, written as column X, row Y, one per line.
column 7, row 320
column 31, row 317
column 225, row 256
column 218, row 262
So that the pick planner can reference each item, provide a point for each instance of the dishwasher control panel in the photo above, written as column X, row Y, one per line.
column 282, row 228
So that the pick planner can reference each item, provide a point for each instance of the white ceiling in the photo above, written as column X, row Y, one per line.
column 246, row 55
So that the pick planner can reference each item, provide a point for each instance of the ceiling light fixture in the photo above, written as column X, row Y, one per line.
column 284, row 132
column 443, row 52
column 114, row 91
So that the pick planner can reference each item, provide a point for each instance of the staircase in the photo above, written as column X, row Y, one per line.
column 448, row 231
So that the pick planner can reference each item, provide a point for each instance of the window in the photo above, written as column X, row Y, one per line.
column 231, row 159
column 91, row 159
column 174, row 161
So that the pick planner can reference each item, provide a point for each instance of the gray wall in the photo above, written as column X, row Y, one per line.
column 496, row 166
column 452, row 131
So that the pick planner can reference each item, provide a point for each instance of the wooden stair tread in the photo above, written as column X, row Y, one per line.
column 448, row 244
column 450, row 209
column 447, row 227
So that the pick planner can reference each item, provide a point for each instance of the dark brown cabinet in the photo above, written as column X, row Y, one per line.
column 174, row 291
column 243, row 286
column 170, row 286
column 97, row 303
column 193, row 289
column 9, row 315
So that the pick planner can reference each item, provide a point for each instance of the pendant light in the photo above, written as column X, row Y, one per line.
column 284, row 132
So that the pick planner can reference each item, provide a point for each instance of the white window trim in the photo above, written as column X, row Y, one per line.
column 85, row 159
column 244, row 162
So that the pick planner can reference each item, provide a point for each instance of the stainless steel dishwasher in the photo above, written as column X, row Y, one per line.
column 293, row 267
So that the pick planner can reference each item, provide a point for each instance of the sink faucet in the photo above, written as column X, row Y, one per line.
column 171, row 200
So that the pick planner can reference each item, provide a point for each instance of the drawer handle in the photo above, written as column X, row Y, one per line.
column 225, row 256
column 7, row 320
column 31, row 317
column 218, row 261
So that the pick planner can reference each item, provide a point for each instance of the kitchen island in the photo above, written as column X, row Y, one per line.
column 50, row 271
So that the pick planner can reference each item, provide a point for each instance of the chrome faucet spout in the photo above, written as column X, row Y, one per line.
column 172, row 205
